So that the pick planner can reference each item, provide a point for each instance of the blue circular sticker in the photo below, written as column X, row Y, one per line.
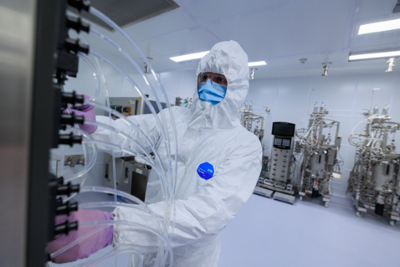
column 205, row 170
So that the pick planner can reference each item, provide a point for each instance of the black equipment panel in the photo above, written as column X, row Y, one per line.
column 283, row 129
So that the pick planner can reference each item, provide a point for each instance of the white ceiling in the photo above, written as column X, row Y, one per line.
column 277, row 31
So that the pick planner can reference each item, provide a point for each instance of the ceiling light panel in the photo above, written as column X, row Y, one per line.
column 379, row 26
column 189, row 56
column 257, row 63
column 374, row 55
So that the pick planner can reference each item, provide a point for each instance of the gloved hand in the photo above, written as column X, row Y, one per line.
column 87, row 111
column 89, row 245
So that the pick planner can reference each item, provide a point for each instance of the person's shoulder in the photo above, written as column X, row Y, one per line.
column 246, row 138
column 179, row 109
column 176, row 111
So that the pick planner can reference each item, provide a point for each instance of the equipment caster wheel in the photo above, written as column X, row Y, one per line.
column 326, row 204
column 392, row 222
column 359, row 213
column 301, row 198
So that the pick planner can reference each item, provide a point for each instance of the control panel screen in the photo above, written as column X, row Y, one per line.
column 282, row 143
column 154, row 104
column 283, row 129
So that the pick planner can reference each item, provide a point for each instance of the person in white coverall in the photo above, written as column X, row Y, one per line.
column 209, row 135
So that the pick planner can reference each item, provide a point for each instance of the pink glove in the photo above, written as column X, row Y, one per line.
column 87, row 111
column 89, row 245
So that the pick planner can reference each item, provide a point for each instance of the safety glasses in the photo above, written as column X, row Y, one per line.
column 214, row 77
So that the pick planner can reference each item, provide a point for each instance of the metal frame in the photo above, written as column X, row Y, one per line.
column 41, row 131
column 375, row 177
column 26, row 82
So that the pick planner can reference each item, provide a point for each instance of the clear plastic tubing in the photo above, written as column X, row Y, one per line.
column 100, row 225
column 164, row 187
column 70, row 245
column 175, row 171
column 105, row 190
column 115, row 252
column 131, row 60
column 92, row 162
column 124, row 135
column 106, row 94
column 162, row 115
column 158, row 123
column 138, row 68
column 152, row 163
column 111, row 204
column 107, row 20
column 149, row 161
column 109, row 115
column 95, row 74
column 129, row 152
column 127, row 223
column 124, row 74
column 130, row 197
column 86, row 155
column 108, row 255
column 135, row 127
column 96, row 205
column 87, row 235
column 123, row 194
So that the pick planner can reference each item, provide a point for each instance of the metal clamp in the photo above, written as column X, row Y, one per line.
column 73, row 160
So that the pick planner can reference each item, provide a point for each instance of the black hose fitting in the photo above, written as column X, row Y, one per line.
column 69, row 139
column 80, row 5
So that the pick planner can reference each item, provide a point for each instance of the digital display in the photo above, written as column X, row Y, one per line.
column 278, row 141
column 286, row 142
column 283, row 129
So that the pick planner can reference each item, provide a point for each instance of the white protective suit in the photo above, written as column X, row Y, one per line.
column 206, row 133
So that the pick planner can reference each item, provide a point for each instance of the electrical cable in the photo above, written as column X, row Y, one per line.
column 305, row 192
column 379, row 216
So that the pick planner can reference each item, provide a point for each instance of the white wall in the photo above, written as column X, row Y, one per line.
column 179, row 83
column 290, row 100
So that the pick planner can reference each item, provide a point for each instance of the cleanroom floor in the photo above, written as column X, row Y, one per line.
column 272, row 233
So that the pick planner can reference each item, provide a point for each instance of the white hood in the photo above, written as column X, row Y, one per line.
column 229, row 59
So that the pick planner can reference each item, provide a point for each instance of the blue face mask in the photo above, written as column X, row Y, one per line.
column 211, row 92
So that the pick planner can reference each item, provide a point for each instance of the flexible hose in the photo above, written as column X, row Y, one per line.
column 127, row 223
column 95, row 74
column 107, row 20
column 92, row 162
